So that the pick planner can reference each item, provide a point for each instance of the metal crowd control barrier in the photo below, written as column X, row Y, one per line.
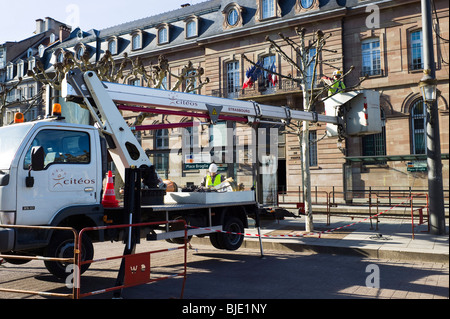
column 136, row 265
column 420, row 212
column 72, row 260
column 404, row 203
column 300, row 205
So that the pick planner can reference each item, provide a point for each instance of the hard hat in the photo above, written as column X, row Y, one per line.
column 337, row 72
column 213, row 168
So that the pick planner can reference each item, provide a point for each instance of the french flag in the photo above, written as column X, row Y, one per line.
column 251, row 76
column 272, row 77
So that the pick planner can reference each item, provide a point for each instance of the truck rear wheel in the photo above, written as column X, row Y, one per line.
column 231, row 241
column 214, row 239
column 62, row 246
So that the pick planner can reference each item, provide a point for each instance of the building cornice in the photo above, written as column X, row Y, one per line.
column 275, row 24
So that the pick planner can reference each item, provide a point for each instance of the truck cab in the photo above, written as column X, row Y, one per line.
column 68, row 183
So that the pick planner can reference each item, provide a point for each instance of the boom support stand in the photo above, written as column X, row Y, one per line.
column 132, row 205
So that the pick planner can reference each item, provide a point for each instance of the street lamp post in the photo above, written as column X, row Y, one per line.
column 434, row 162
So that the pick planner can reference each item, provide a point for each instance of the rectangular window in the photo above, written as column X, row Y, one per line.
column 32, row 64
column 136, row 42
column 112, row 46
column 416, row 50
column 419, row 126
column 30, row 92
column 218, row 141
column 162, row 36
column 161, row 163
column 371, row 57
column 10, row 72
column 164, row 84
column 310, row 72
column 162, row 139
column 233, row 84
column 375, row 144
column 61, row 147
column 268, row 9
column 135, row 82
column 191, row 29
column 191, row 82
column 20, row 69
column 268, row 63
column 313, row 148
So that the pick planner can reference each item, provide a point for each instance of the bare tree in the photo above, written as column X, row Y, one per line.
column 5, row 103
column 109, row 70
column 311, row 94
column 4, row 93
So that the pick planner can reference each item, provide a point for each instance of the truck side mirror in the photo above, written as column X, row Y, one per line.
column 37, row 158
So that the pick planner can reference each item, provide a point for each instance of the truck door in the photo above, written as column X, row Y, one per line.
column 70, row 176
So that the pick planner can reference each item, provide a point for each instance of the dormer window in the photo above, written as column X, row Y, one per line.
column 41, row 49
column 30, row 52
column 31, row 63
column 191, row 28
column 20, row 68
column 232, row 18
column 232, row 15
column 52, row 38
column 79, row 51
column 112, row 45
column 267, row 9
column 60, row 56
column 136, row 40
column 10, row 71
column 306, row 5
column 163, row 33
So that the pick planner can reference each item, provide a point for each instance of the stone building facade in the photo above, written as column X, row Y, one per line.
column 380, row 39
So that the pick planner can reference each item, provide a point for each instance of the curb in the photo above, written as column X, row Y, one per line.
column 376, row 253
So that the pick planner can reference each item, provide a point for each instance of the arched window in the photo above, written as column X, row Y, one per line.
column 79, row 52
column 419, row 127
column 306, row 4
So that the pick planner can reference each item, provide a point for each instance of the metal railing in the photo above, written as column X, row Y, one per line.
column 356, row 197
column 136, row 266
column 72, row 260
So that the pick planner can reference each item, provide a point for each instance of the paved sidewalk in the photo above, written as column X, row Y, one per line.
column 391, row 239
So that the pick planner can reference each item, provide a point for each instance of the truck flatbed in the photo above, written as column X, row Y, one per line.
column 175, row 207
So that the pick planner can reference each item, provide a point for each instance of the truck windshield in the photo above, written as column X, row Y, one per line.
column 10, row 139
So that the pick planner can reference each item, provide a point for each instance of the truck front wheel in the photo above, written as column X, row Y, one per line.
column 231, row 241
column 62, row 246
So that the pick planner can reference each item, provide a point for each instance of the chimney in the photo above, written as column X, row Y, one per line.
column 185, row 5
column 49, row 24
column 64, row 32
column 39, row 26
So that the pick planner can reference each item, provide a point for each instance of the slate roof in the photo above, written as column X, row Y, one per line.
column 210, row 25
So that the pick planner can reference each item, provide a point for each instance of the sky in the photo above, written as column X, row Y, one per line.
column 18, row 18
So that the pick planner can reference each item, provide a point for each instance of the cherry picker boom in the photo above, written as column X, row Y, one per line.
column 51, row 172
column 107, row 97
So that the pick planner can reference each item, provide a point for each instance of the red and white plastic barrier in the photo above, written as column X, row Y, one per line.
column 299, row 235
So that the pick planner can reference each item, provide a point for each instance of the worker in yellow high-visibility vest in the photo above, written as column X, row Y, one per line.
column 339, row 86
column 212, row 179
column 336, row 87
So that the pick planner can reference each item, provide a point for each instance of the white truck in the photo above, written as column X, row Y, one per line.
column 51, row 172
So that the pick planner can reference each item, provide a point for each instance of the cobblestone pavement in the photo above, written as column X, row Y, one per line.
column 242, row 274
